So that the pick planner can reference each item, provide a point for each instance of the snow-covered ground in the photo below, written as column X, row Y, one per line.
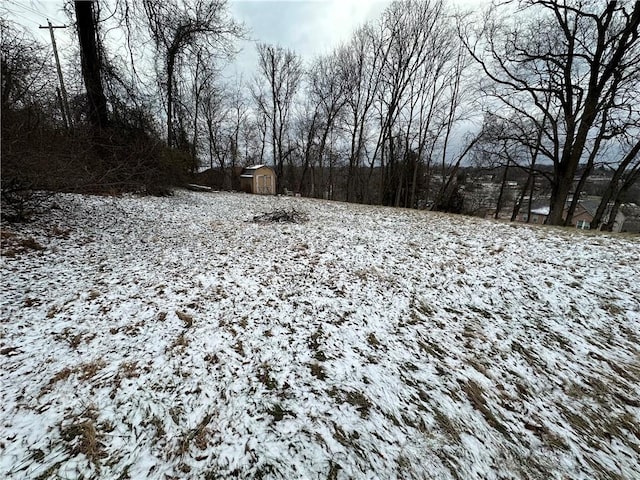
column 169, row 338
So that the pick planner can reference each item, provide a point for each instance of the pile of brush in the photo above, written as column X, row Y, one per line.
column 282, row 216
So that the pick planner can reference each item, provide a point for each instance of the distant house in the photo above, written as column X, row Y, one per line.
column 586, row 210
column 583, row 215
column 258, row 179
column 538, row 215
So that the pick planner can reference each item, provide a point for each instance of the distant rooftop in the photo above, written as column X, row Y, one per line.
column 540, row 211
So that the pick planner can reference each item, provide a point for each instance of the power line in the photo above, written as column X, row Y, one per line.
column 28, row 9
column 33, row 10
column 23, row 17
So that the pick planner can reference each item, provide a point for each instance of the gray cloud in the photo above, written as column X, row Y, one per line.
column 310, row 28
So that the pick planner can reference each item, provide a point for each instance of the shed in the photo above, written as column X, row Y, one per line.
column 258, row 179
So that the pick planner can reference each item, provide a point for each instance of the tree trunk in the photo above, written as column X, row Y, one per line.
column 559, row 193
column 608, row 227
column 631, row 180
column 171, row 60
column 576, row 194
column 523, row 192
column 352, row 162
column 91, row 64
column 501, row 194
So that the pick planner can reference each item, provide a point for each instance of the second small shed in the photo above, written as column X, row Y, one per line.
column 258, row 179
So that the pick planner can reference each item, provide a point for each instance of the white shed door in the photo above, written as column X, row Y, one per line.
column 264, row 184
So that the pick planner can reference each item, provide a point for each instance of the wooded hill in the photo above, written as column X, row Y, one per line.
column 391, row 115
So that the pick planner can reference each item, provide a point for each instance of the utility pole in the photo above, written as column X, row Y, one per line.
column 65, row 101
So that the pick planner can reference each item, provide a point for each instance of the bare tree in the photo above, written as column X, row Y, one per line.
column 404, row 75
column 279, row 75
column 202, row 76
column 408, row 28
column 178, row 26
column 360, row 68
column 325, row 99
column 24, row 74
column 566, row 61
column 238, row 121
column 511, row 142
column 215, row 113
column 86, row 18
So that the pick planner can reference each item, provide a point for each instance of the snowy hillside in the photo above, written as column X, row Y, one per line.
column 168, row 338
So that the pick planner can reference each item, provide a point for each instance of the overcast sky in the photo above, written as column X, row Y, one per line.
column 310, row 27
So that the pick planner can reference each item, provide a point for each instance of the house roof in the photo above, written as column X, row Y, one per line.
column 590, row 205
column 630, row 210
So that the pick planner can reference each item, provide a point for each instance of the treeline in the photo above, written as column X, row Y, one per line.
column 390, row 117
column 121, row 123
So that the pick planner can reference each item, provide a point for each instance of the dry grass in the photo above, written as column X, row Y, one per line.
column 186, row 318
column 60, row 232
column 318, row 371
column 8, row 351
column 84, row 371
column 69, row 336
column 264, row 375
column 181, row 342
column 446, row 425
column 89, row 369
column 338, row 362
column 476, row 396
column 334, row 469
column 83, row 437
column 278, row 413
column 198, row 436
column 158, row 425
column 372, row 340
column 238, row 347
column 93, row 294
column 132, row 329
column 12, row 244
column 59, row 377
column 353, row 397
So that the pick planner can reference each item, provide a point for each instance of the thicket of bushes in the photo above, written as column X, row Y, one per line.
column 41, row 153
column 39, row 156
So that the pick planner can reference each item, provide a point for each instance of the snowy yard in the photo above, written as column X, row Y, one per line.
column 169, row 338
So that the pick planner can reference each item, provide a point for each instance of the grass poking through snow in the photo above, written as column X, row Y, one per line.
column 176, row 338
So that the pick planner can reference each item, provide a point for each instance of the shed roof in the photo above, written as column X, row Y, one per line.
column 249, row 172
